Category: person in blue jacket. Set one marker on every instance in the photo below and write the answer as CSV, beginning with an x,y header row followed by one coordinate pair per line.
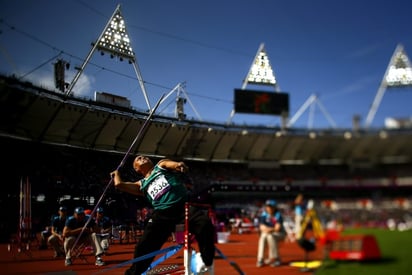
x,y
271,231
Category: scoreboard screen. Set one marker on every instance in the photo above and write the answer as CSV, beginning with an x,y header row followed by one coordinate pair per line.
x,y
259,102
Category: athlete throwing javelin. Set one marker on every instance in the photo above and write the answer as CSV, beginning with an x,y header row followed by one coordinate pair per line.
x,y
163,186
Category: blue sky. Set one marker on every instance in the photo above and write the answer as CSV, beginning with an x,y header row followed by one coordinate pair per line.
x,y
337,50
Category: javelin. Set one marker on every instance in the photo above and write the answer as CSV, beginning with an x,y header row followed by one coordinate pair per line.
x,y
139,135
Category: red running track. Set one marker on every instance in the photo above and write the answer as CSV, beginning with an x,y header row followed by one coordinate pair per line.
x,y
241,249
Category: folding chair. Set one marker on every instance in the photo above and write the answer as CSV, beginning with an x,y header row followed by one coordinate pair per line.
x,y
79,251
120,233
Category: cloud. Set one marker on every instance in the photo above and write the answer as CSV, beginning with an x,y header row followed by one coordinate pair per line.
x,y
83,87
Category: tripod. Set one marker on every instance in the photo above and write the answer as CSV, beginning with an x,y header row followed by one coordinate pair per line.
x,y
310,220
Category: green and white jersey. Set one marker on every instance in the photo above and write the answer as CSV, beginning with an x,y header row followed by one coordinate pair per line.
x,y
163,188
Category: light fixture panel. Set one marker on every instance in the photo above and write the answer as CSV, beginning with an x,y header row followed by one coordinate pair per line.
x,y
115,39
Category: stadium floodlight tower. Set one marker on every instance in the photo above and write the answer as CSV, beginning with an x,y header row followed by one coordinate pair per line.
x,y
261,73
115,41
398,75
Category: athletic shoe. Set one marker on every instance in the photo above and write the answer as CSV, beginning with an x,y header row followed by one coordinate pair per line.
x,y
209,270
99,261
259,263
268,261
68,262
276,263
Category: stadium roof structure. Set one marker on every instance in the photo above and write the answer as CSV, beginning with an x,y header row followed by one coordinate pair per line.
x,y
32,113
35,114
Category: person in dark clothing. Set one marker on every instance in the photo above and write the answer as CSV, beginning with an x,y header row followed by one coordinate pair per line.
x,y
103,228
74,229
56,238
163,186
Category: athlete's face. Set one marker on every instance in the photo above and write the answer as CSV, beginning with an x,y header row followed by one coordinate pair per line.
x,y
141,163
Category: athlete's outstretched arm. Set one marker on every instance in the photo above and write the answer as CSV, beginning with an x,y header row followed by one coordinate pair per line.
x,y
126,186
